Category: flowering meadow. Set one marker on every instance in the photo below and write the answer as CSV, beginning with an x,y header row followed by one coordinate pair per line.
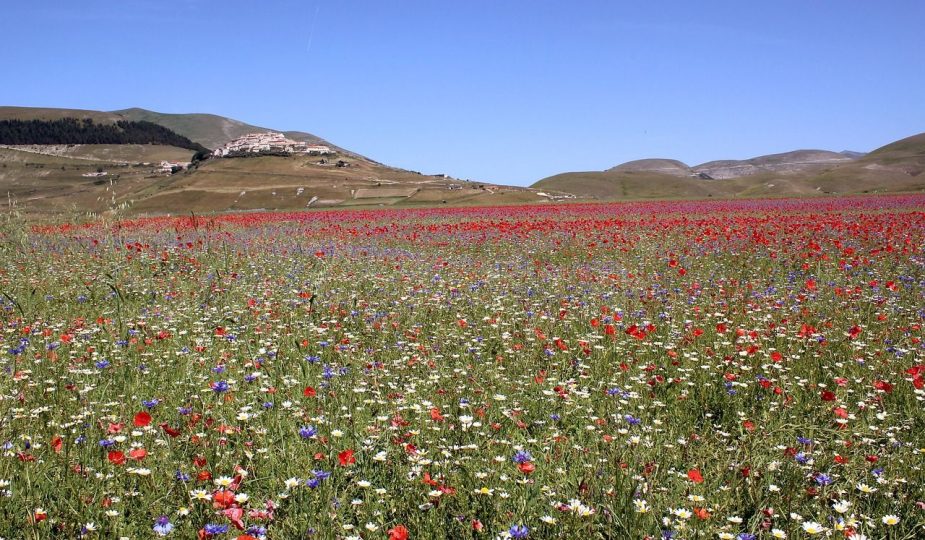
x,y
723,369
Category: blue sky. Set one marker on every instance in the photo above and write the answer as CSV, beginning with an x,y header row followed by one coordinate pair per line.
x,y
492,90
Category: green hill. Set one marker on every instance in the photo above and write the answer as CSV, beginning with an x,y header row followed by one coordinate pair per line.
x,y
895,167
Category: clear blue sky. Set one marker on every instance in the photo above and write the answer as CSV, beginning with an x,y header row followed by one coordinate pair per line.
x,y
493,90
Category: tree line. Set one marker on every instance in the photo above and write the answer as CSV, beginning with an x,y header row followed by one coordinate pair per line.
x,y
86,131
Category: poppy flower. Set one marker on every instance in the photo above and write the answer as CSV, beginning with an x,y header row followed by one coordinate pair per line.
x,y
346,458
398,532
116,457
694,476
884,386
142,419
222,499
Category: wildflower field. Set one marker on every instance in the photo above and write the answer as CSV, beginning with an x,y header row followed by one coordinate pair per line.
x,y
748,369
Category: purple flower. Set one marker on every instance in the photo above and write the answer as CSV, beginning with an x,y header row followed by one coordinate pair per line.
x,y
522,456
518,531
220,386
212,529
307,432
162,526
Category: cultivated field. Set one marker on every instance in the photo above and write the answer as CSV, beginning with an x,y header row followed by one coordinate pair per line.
x,y
737,369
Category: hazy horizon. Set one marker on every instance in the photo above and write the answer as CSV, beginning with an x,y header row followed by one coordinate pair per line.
x,y
504,93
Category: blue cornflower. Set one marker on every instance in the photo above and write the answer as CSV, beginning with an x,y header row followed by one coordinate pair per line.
x,y
220,386
215,528
311,359
184,410
162,526
307,432
823,479
801,458
150,403
218,369
804,440
321,475
518,531
257,531
102,364
746,536
522,456
106,443
182,476
632,420
267,404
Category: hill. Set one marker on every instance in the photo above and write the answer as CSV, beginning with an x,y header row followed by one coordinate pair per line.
x,y
99,177
213,131
895,167
671,167
798,161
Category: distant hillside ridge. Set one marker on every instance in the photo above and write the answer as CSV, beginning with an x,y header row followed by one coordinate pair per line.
x,y
898,167
86,131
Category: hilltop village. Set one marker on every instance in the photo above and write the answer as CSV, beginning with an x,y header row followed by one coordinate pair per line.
x,y
269,143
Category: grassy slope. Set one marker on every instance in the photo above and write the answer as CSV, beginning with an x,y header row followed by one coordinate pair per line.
x,y
896,167
292,182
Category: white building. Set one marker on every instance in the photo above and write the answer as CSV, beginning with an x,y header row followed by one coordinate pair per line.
x,y
269,142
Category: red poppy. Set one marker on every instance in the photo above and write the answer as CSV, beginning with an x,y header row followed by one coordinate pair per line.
x,y
827,395
346,458
398,532
116,457
883,385
694,476
222,499
138,454
142,419
169,430
309,392
526,467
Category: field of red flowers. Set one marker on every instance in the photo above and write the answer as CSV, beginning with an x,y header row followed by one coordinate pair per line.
x,y
728,369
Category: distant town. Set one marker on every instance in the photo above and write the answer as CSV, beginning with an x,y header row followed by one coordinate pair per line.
x,y
269,142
